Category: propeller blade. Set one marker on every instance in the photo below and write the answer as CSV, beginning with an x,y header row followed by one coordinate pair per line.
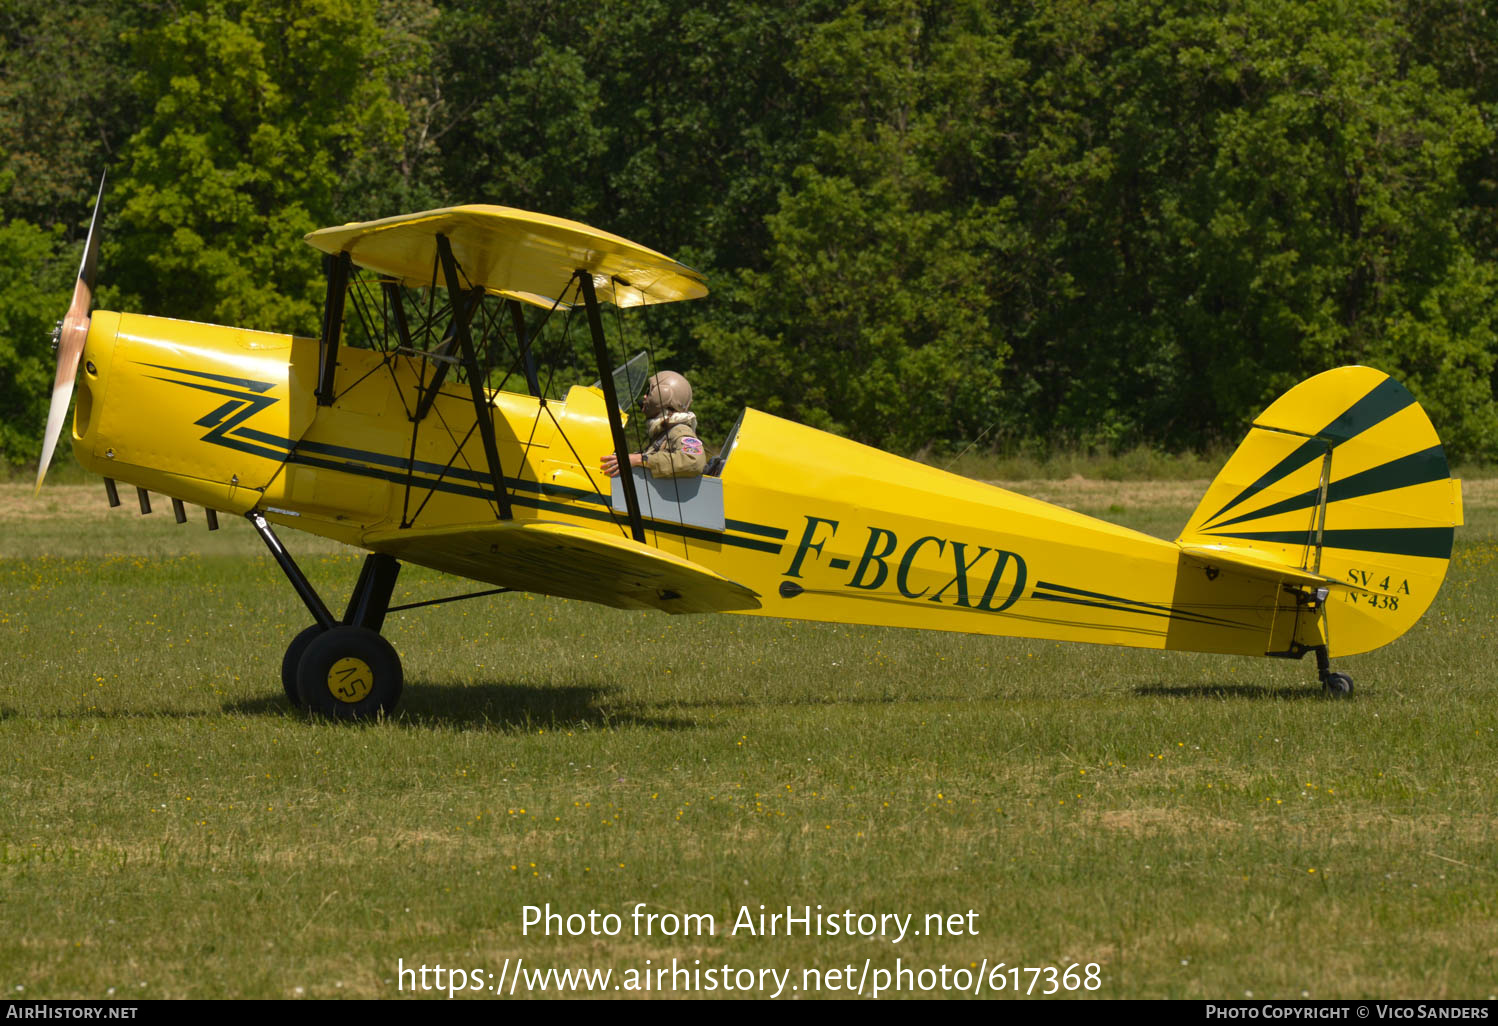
x,y
91,247
71,334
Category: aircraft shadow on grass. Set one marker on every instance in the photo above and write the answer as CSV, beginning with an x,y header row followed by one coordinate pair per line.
x,y
498,706
1257,691
501,707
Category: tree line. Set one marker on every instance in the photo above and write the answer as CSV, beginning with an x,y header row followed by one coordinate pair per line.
x,y
1095,223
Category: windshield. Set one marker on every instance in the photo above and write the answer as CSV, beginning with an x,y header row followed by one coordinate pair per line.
x,y
629,379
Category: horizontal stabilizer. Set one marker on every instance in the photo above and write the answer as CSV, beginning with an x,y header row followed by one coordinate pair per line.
x,y
1255,564
569,562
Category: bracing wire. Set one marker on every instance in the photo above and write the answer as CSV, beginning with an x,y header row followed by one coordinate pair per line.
x,y
974,442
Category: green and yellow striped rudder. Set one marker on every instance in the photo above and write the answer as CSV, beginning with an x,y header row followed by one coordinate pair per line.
x,y
1344,477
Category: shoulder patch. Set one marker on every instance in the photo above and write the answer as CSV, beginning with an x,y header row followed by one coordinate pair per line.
x,y
691,445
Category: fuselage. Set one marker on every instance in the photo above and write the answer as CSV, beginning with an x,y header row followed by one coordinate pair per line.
x,y
821,527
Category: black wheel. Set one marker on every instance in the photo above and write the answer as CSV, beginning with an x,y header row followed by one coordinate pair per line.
x,y
292,659
1338,684
349,673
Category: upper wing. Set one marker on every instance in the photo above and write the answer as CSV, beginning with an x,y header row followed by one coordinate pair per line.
x,y
527,256
572,562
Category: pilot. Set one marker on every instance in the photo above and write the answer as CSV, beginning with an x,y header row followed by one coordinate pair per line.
x,y
674,449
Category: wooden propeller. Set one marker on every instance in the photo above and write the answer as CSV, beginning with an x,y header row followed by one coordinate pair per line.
x,y
68,338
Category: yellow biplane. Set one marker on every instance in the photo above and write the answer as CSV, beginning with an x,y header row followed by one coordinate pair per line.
x,y
1329,529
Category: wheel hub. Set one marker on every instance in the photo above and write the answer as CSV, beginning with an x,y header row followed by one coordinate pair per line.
x,y
350,680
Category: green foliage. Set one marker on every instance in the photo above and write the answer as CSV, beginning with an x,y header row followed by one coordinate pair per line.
x,y
1101,225
253,113
39,272
65,105
880,307
1234,202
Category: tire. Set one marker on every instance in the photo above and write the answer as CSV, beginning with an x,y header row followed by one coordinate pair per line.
x,y
1338,685
292,659
349,673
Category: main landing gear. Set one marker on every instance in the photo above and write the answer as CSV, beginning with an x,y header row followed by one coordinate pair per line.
x,y
342,669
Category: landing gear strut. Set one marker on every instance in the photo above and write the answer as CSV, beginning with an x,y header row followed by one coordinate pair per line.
x,y
1336,684
342,669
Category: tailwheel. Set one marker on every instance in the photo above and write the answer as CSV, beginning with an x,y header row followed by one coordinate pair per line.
x,y
1337,684
292,659
348,673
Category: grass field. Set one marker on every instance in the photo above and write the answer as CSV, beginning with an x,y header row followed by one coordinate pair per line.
x,y
1197,826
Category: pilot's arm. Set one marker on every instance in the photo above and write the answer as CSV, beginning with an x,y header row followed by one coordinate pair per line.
x,y
609,464
680,454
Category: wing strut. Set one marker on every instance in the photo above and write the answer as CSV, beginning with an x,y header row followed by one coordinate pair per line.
x,y
481,408
392,290
611,400
338,269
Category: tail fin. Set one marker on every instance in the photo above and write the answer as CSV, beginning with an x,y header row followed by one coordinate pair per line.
x,y
1342,477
